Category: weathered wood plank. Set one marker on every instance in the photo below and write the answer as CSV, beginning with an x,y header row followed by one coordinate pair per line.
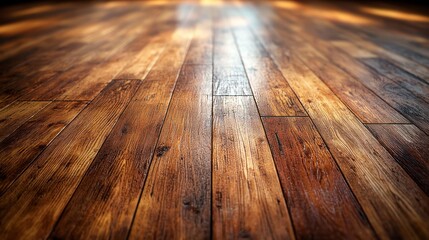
x,y
412,107
16,114
273,95
38,197
229,76
417,86
409,146
362,101
319,200
19,149
175,202
386,193
106,200
230,81
247,196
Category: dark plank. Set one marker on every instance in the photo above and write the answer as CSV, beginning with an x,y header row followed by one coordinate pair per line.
x,y
247,196
409,146
319,200
175,202
404,52
412,107
19,150
417,86
16,114
43,190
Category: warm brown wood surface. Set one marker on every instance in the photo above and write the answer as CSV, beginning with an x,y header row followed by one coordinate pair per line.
x,y
214,120
247,197
319,200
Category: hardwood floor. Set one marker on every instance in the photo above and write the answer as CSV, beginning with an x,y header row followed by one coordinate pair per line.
x,y
223,120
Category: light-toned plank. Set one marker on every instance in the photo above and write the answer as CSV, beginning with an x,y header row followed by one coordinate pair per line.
x,y
273,95
247,196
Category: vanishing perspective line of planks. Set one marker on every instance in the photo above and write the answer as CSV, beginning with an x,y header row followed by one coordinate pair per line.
x,y
212,119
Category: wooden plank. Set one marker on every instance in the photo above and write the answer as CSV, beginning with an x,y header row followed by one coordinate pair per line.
x,y
319,200
351,48
43,190
247,196
140,66
417,86
16,114
409,146
404,52
229,76
86,78
175,202
201,48
368,107
230,81
273,95
403,62
104,203
388,196
225,52
410,106
19,150
99,75
386,193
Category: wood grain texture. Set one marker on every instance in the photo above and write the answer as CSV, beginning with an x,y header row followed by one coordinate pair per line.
x,y
175,202
273,95
104,204
409,146
230,81
362,101
16,114
100,137
247,196
412,107
319,200
406,80
18,150
358,156
43,190
229,76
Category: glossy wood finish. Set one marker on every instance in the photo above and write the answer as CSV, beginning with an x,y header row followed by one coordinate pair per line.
x,y
211,119
327,207
248,200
